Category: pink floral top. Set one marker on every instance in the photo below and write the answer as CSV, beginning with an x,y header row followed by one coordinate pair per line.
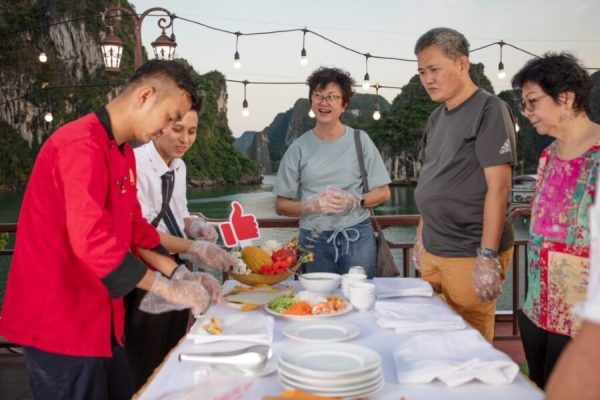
x,y
559,239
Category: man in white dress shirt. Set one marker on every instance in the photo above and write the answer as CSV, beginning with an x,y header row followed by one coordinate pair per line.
x,y
162,195
576,373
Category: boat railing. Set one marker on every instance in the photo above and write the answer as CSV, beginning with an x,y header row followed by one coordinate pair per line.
x,y
404,263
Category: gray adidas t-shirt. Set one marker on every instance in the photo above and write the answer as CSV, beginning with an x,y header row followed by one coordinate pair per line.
x,y
310,165
457,146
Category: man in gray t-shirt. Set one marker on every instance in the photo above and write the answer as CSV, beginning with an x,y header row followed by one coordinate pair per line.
x,y
464,242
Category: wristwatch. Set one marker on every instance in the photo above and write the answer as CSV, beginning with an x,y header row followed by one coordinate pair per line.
x,y
362,202
489,253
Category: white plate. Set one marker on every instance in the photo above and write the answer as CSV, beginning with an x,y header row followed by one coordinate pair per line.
x,y
309,317
329,360
321,331
347,382
365,391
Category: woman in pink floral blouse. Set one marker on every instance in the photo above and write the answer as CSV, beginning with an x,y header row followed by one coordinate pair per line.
x,y
555,98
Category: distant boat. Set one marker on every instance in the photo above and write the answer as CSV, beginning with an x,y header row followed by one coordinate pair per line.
x,y
523,188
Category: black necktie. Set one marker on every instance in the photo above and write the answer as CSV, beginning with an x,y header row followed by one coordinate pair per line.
x,y
168,183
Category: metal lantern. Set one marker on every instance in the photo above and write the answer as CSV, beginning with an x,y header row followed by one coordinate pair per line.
x,y
112,50
164,47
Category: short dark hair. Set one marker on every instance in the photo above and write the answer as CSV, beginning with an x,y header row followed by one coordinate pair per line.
x,y
323,76
451,42
169,70
557,73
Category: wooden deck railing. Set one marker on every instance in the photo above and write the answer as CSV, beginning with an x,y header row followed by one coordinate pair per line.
x,y
387,221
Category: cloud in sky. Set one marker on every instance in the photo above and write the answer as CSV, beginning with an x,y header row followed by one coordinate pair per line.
x,y
382,27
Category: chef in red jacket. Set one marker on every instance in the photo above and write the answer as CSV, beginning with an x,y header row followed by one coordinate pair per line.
x,y
79,225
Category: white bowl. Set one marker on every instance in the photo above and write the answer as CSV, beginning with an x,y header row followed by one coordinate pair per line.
x,y
320,282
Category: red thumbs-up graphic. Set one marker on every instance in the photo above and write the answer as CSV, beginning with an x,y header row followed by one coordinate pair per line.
x,y
241,227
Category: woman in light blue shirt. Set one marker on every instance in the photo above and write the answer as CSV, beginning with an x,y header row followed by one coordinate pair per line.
x,y
319,180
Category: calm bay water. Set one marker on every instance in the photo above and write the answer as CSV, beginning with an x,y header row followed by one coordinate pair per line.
x,y
259,200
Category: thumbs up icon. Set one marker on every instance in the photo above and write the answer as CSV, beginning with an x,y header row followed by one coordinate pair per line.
x,y
241,227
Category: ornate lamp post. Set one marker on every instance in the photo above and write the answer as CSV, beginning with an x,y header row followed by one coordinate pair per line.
x,y
112,46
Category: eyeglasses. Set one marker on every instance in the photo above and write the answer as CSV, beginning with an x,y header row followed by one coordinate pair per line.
x,y
530,104
330,97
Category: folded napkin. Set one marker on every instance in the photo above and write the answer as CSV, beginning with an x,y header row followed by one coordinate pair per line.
x,y
416,316
454,358
236,327
400,287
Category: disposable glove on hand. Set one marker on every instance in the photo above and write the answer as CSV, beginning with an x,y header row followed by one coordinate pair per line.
x,y
207,280
315,205
171,295
486,278
200,229
417,252
341,202
210,254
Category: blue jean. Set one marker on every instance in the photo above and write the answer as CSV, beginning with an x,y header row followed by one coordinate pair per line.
x,y
337,251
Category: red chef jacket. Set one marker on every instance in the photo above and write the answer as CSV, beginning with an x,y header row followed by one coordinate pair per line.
x,y
72,263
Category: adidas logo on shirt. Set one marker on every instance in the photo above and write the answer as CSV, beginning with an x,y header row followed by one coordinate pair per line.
x,y
505,147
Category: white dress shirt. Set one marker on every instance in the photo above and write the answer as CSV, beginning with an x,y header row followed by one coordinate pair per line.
x,y
150,167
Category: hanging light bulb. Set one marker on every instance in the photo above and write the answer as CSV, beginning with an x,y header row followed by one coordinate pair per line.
x,y
501,72
366,83
237,64
48,117
303,59
517,127
376,113
311,113
245,110
43,57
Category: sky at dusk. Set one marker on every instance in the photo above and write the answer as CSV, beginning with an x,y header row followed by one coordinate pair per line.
x,y
380,27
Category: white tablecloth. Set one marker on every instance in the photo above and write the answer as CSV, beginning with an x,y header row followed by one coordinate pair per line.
x,y
174,375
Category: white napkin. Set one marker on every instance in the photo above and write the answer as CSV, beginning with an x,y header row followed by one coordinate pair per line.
x,y
416,316
400,287
454,358
236,327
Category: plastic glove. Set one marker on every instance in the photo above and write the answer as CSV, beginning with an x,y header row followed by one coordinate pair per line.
x,y
417,252
339,201
486,278
171,295
209,282
200,229
315,205
210,254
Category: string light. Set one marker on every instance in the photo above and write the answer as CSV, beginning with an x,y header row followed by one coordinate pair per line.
x,y
517,127
376,113
501,72
366,84
237,64
245,110
48,117
303,59
43,57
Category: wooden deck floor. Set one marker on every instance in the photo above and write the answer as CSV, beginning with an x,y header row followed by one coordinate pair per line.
x,y
15,386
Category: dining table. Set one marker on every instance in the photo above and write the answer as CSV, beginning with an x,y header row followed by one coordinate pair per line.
x,y
175,379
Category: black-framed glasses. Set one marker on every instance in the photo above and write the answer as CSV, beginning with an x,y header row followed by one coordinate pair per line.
x,y
529,104
329,97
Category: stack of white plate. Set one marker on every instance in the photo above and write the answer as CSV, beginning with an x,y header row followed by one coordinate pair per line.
x,y
332,369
